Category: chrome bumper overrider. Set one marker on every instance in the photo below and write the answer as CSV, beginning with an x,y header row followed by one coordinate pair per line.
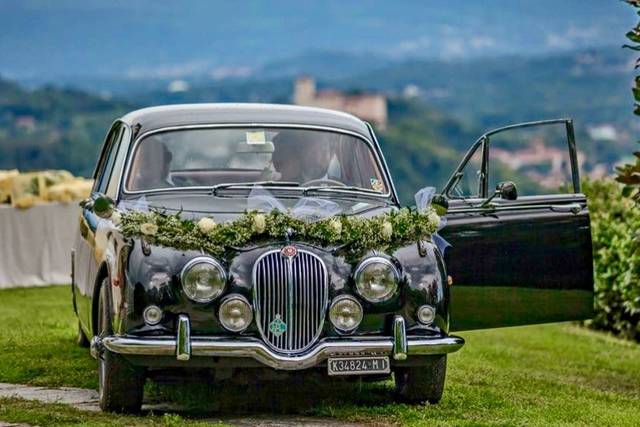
x,y
398,347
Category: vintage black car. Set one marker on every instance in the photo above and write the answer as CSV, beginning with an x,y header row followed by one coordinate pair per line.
x,y
288,305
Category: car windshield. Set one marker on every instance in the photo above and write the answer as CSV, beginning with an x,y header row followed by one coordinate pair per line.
x,y
210,157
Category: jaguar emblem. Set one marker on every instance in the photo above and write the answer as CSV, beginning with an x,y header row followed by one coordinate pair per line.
x,y
277,326
289,251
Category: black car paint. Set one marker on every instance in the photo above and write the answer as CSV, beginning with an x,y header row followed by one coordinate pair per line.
x,y
495,257
137,277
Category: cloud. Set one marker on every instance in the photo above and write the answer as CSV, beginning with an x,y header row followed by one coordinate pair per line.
x,y
572,37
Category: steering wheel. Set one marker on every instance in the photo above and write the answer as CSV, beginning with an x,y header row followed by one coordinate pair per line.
x,y
318,181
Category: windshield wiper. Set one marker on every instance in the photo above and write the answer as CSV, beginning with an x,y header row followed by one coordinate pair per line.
x,y
249,185
340,189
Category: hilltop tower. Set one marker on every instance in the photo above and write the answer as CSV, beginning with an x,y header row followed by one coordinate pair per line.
x,y
305,91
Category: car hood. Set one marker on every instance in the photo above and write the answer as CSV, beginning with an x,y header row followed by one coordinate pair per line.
x,y
228,208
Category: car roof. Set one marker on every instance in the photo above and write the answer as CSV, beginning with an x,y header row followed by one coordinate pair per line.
x,y
153,118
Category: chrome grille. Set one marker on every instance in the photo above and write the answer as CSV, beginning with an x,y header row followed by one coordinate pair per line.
x,y
295,290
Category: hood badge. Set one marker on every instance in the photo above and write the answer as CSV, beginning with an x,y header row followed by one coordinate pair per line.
x,y
277,326
289,251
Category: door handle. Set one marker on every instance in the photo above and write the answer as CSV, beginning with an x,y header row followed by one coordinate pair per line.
x,y
574,208
86,203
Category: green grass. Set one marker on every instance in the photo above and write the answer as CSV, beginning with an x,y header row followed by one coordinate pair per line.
x,y
557,374
35,413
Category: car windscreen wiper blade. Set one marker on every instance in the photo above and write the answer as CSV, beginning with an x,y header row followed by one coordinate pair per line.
x,y
249,185
340,189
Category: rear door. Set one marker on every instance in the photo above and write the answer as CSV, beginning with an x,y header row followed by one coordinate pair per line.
x,y
522,261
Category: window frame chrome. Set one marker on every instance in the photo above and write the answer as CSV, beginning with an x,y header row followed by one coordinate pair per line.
x,y
373,146
484,142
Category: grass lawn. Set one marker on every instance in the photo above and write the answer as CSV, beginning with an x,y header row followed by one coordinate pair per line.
x,y
539,375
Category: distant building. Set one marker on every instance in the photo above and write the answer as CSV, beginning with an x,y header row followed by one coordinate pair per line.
x,y
177,86
548,166
367,106
605,132
26,123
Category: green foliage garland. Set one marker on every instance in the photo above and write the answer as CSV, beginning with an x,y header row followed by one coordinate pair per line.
x,y
356,234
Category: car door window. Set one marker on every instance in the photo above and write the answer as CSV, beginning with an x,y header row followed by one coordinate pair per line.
x,y
118,164
470,183
106,162
536,159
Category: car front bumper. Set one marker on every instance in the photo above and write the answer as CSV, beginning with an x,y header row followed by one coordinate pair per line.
x,y
184,347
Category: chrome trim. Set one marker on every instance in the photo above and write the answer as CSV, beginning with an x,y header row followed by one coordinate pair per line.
x,y
144,315
338,299
313,288
183,338
549,201
384,163
255,349
237,297
132,148
370,260
484,140
206,260
400,345
431,310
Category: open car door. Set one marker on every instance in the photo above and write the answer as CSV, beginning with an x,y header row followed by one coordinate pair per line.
x,y
523,258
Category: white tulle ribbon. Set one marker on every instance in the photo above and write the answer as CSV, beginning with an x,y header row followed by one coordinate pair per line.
x,y
308,209
423,198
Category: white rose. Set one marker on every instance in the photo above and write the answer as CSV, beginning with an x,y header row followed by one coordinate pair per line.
x,y
336,225
206,225
387,230
148,229
435,219
116,218
259,223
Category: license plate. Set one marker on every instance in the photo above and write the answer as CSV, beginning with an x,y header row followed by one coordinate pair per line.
x,y
358,365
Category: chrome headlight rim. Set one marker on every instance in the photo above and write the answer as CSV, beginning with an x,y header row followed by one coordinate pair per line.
x,y
352,299
203,260
381,260
227,300
426,314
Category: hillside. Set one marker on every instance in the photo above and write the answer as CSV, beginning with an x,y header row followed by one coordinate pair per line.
x,y
55,128
52,128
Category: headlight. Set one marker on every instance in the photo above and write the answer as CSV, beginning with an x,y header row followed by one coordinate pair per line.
x,y
376,279
345,313
235,313
203,279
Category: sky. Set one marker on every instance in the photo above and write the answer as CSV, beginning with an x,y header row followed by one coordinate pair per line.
x,y
50,40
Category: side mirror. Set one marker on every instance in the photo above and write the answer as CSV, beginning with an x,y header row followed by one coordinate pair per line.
x,y
103,206
507,190
440,204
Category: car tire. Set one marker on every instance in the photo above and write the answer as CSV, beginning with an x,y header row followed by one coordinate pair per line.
x,y
121,385
419,384
81,338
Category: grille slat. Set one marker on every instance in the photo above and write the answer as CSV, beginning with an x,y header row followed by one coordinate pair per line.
x,y
295,291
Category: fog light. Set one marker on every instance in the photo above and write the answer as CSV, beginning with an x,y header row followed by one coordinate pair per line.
x,y
152,315
426,314
345,313
235,313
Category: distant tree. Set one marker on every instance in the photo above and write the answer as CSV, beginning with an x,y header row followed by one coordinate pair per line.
x,y
630,174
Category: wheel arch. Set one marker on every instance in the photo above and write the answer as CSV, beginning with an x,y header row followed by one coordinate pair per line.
x,y
103,272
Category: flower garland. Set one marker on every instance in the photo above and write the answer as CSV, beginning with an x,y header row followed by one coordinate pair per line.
x,y
356,234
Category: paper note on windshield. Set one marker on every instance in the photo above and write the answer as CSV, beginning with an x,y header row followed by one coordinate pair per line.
x,y
256,137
